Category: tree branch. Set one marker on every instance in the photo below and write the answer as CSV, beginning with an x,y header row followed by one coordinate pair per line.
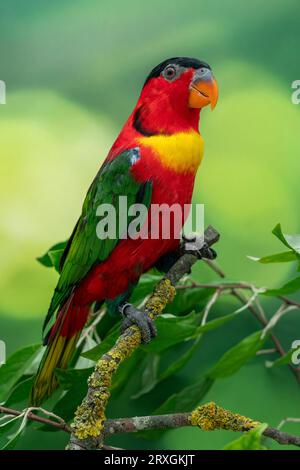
x,y
61,424
207,417
89,418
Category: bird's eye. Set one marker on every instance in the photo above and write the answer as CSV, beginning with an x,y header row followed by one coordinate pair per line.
x,y
170,72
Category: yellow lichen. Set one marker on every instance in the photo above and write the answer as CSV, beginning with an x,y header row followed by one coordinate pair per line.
x,y
211,416
89,420
90,415
163,294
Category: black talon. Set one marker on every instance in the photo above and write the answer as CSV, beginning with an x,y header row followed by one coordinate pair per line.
x,y
207,252
195,245
134,316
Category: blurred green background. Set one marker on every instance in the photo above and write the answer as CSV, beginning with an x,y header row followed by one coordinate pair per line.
x,y
73,72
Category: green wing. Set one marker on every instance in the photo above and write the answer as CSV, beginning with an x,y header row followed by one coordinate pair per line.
x,y
84,249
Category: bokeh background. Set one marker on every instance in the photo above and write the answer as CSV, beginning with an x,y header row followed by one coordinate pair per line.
x,y
73,72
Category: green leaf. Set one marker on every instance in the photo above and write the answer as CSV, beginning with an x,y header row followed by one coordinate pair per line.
x,y
181,362
211,325
11,444
145,286
69,378
52,257
6,426
277,231
149,376
15,367
172,330
237,356
291,241
183,401
250,440
68,404
288,288
95,353
13,440
20,392
187,300
74,381
127,370
187,399
283,360
284,257
175,367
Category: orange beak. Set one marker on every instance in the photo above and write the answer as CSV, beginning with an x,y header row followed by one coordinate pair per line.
x,y
203,89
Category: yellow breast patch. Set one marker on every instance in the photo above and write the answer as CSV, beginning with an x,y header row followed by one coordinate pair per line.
x,y
181,152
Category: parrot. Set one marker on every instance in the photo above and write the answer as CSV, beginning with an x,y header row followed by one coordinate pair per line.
x,y
153,161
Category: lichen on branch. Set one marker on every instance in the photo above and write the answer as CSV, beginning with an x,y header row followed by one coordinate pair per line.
x,y
211,416
90,415
88,424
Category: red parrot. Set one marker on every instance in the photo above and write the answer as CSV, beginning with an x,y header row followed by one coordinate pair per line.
x,y
154,160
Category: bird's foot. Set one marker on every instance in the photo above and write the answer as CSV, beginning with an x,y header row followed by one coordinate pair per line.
x,y
133,316
194,244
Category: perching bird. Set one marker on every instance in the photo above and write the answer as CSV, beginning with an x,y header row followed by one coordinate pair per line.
x,y
153,161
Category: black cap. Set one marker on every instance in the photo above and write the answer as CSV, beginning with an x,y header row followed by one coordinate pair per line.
x,y
187,62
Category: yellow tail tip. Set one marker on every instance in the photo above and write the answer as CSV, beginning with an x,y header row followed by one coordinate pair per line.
x,y
57,355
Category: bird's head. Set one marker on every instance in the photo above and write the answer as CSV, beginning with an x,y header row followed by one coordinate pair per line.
x,y
174,93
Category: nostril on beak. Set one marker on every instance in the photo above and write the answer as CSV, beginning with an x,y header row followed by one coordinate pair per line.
x,y
203,74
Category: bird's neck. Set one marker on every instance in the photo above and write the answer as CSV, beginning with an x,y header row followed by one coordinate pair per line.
x,y
157,122
160,116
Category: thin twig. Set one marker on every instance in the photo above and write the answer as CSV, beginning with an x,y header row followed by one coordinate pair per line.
x,y
215,267
232,285
61,424
289,301
266,351
91,329
260,309
222,286
288,420
210,304
283,309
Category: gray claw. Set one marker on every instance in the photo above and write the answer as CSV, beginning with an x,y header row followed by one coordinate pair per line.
x,y
194,244
133,316
207,252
